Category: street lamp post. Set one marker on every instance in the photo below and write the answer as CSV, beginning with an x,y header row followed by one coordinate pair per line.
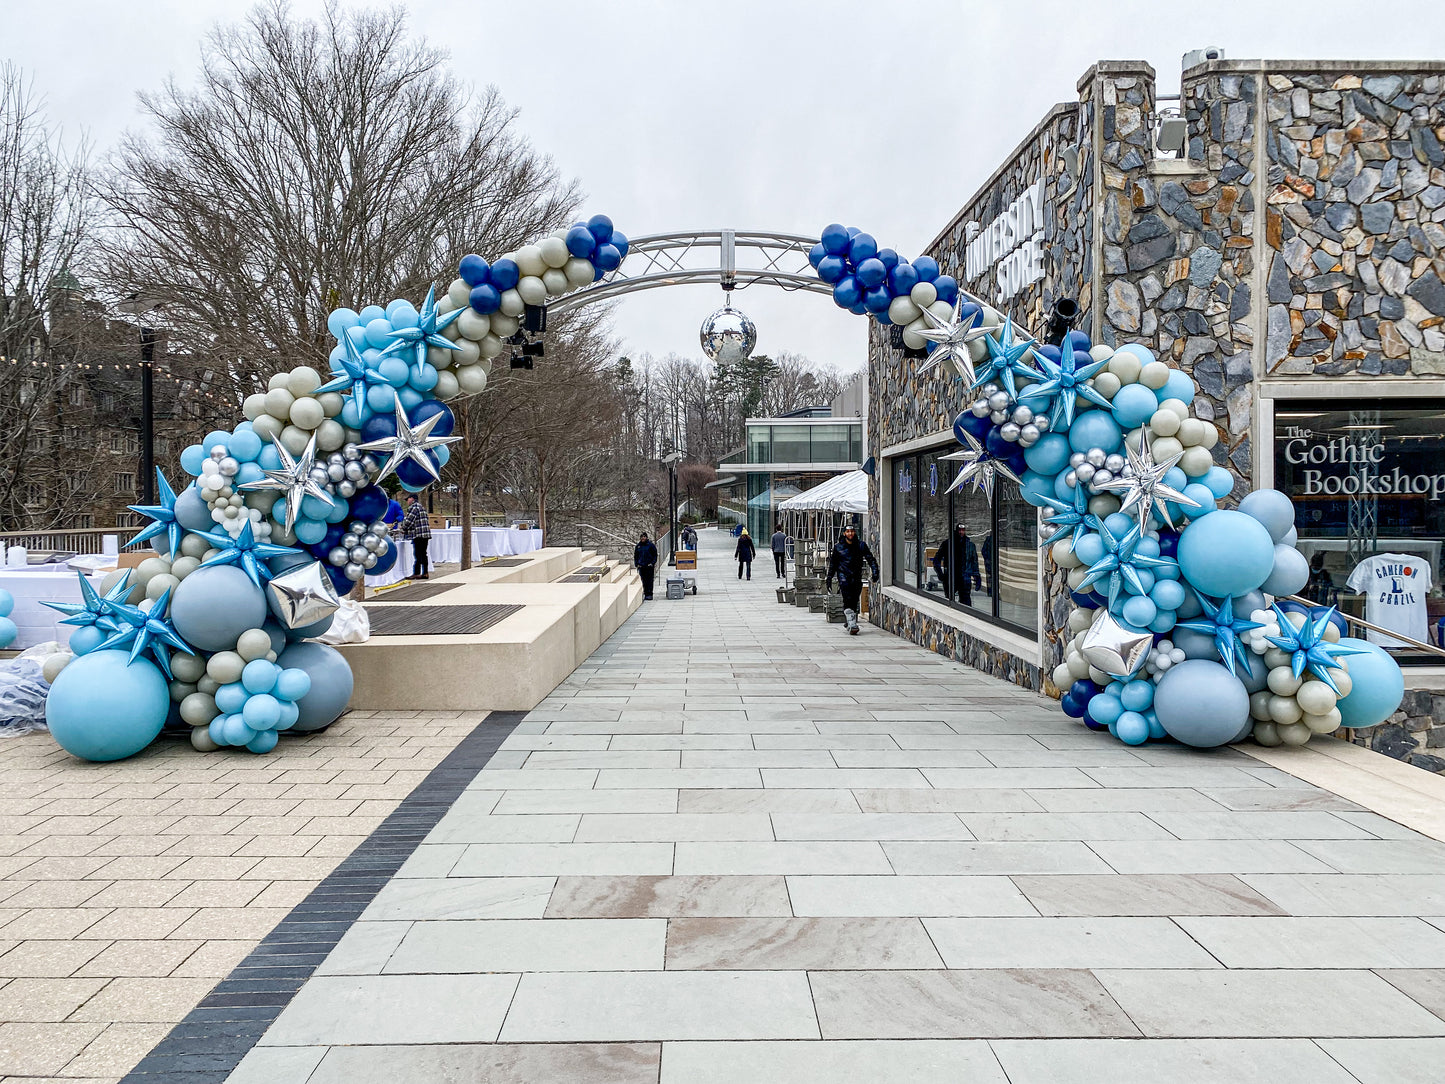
x,y
140,305
670,461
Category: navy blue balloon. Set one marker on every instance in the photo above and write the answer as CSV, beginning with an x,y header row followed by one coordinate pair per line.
x,y
972,423
505,274
369,504
847,293
607,257
1086,599
1168,543
428,407
859,309
903,278
1084,689
816,254
927,268
832,268
890,258
619,242
601,228
835,239
411,473
871,272
861,248
1071,706
1093,725
581,243
384,562
486,299
997,446
473,270
334,533
1016,461
882,318
378,426
878,298
338,580
947,287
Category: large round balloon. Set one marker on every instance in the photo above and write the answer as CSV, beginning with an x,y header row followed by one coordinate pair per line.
x,y
1376,685
1290,573
213,606
102,707
1226,553
331,683
191,512
1272,508
1200,703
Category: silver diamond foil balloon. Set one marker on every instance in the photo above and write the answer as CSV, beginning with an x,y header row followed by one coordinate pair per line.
x,y
1112,648
302,596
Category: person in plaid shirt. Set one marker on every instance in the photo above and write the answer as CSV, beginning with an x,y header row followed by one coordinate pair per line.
x,y
417,528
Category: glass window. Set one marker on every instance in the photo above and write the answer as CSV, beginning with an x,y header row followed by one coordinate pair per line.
x,y
759,444
855,443
932,482
905,522
1013,562
790,444
970,548
829,444
1368,481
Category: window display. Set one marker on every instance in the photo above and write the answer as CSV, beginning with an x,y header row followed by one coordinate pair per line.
x,y
1394,586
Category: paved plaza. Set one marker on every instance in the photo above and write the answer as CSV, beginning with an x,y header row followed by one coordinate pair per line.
x,y
736,846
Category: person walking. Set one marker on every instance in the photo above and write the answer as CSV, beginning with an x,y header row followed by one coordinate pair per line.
x,y
846,564
689,538
644,559
416,528
780,552
744,553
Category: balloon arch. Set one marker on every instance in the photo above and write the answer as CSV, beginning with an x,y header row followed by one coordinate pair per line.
x,y
1176,630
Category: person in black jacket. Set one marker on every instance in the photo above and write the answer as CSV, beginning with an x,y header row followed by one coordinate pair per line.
x,y
744,553
846,564
956,561
644,557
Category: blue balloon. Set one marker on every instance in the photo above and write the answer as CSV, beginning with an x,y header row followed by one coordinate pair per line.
x,y
331,683
264,741
877,299
262,711
1218,481
1049,455
191,511
846,292
1085,689
1095,429
340,320
485,298
1139,610
378,332
889,258
1200,703
969,422
620,243
581,243
379,428
927,268
473,270
1105,708
86,639
1178,386
600,227
1131,728
861,248
835,239
832,269
903,278
213,606
384,564
607,257
1167,594
259,676
859,309
996,446
1225,554
411,473
505,274
1376,685
871,273
1134,404
216,437
292,684
1085,600
370,503
816,254
947,287
102,707
1072,706
380,398
1202,498
231,698
191,459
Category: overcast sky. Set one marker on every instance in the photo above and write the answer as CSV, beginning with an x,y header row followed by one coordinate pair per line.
x,y
768,114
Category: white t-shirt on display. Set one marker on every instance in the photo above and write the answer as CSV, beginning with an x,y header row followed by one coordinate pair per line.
x,y
1394,586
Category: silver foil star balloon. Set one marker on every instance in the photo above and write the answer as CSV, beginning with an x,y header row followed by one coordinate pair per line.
x,y
953,336
409,443
979,467
293,479
1143,487
1112,648
302,596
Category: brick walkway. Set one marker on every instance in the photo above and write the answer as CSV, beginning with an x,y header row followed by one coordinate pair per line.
x,y
738,846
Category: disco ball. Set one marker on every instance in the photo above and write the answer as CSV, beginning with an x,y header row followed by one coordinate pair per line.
x,y
728,336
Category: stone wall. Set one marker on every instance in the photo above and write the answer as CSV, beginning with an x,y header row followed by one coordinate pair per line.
x,y
953,643
1414,734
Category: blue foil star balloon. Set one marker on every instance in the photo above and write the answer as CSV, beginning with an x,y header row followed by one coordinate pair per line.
x,y
427,333
94,609
1063,383
147,630
162,516
244,551
1221,622
1119,563
1069,518
1308,648
1006,360
352,375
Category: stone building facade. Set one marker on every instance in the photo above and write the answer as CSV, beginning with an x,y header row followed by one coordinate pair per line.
x,y
1290,259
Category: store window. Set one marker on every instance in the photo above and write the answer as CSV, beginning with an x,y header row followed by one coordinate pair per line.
x,y
1368,483
957,548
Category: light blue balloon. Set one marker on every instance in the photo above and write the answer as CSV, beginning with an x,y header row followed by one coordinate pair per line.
x,y
1036,487
371,357
402,314
263,742
216,437
1049,455
1203,500
340,320
8,632
86,639
1196,645
213,606
378,333
1272,508
1095,429
259,676
7,603
262,712
409,398
1156,732
292,684
357,335
394,371
1131,728
1119,524
310,531
1219,481
336,513
217,729
1290,573
1200,703
1225,554
231,698
1167,594
1164,621
1105,708
1134,404
191,459
1139,610
351,415
313,507
1179,386
236,730
1255,674
1062,490
331,683
1138,695
245,445
380,398
1175,478
1089,548
269,459
423,377
191,511
103,707
249,472
1376,685
289,714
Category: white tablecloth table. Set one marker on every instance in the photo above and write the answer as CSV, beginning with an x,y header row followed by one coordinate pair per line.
x,y
446,549
47,583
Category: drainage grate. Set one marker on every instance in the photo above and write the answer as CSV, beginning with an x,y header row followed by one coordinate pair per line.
x,y
417,592
436,620
585,575
506,562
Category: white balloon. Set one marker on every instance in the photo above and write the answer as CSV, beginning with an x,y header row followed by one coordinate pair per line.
x,y
1196,462
555,281
902,310
307,413
331,402
1108,384
490,347
923,294
459,292
530,262
579,272
911,337
1165,423
279,400
1191,432
451,331
330,435
554,252
438,358
473,325
254,406
471,379
1154,375
504,326
445,305
512,303
1126,367
485,365
278,381
303,380
1101,352
940,309
466,353
266,427
295,439
447,386
532,290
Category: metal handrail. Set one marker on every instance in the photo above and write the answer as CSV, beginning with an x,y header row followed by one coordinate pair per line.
x,y
609,534
1416,644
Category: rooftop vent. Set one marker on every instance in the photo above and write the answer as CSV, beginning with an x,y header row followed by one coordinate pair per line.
x,y
1195,57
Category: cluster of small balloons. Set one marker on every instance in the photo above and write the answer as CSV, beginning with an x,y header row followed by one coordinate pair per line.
x,y
877,281
383,376
292,409
345,472
1016,421
361,548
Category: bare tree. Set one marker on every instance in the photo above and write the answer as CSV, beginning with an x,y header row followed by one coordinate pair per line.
x,y
320,163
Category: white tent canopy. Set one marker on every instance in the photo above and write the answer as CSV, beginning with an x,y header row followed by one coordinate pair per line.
x,y
841,493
